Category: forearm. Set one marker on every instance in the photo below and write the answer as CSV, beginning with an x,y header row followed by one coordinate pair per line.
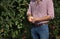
x,y
29,15
44,18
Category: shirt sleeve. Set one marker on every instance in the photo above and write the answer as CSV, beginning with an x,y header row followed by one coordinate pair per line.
x,y
29,10
50,9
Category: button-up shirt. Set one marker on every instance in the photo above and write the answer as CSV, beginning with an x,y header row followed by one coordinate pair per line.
x,y
44,8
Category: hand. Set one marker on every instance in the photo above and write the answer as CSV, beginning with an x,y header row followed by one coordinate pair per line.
x,y
30,19
33,19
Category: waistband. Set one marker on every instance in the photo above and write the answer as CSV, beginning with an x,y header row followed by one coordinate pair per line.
x,y
37,25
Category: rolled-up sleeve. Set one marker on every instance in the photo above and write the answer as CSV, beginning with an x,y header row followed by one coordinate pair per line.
x,y
29,10
50,8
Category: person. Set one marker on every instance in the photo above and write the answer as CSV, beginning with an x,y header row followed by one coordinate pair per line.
x,y
39,13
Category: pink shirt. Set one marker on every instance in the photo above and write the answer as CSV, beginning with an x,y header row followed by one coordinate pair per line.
x,y
44,8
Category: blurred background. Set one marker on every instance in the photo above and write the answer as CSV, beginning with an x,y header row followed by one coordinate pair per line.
x,y
14,24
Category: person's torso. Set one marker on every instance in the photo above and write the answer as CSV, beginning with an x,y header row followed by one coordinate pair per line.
x,y
39,10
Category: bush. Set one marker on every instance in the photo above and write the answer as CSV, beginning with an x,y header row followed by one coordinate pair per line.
x,y
12,18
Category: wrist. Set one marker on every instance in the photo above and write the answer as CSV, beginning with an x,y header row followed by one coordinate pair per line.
x,y
38,19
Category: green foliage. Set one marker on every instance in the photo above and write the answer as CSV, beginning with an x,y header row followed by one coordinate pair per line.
x,y
13,21
12,17
56,21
